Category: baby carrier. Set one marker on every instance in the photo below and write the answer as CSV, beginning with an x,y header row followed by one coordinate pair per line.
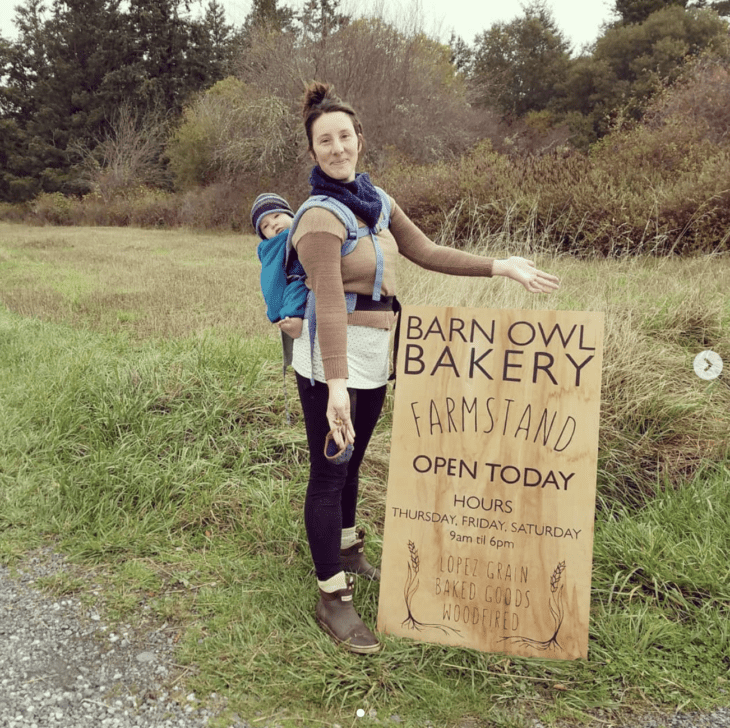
x,y
354,301
283,287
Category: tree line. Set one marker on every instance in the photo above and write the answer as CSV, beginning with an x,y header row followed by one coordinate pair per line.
x,y
96,92
525,66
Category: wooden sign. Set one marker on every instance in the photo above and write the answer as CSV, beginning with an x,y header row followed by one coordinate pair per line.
x,y
488,539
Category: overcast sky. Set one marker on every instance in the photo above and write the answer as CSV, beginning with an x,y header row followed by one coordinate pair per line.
x,y
579,20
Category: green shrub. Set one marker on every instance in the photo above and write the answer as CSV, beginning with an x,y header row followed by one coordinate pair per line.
x,y
52,208
231,131
658,187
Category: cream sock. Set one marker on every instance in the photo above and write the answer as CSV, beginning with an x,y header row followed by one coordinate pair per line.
x,y
349,537
334,583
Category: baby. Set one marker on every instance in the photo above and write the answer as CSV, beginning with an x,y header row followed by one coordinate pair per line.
x,y
284,290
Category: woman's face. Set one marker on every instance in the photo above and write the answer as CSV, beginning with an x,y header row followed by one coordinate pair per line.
x,y
335,145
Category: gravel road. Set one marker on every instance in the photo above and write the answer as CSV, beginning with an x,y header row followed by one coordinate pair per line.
x,y
62,665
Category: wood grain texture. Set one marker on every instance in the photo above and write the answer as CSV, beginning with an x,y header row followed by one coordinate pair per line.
x,y
491,494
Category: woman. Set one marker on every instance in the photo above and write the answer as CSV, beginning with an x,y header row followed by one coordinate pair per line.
x,y
342,381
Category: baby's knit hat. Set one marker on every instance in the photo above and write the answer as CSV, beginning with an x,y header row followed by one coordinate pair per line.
x,y
266,203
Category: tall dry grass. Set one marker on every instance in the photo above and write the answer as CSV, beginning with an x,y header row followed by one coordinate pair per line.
x,y
659,422
148,283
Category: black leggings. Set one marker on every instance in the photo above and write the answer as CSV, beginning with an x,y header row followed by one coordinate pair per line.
x,y
331,501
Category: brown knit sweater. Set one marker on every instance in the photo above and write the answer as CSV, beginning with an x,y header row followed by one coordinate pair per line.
x,y
318,239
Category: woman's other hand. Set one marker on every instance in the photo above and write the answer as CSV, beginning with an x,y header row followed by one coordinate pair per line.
x,y
523,271
291,326
338,412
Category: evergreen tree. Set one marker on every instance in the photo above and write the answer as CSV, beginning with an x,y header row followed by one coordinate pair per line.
x,y
159,42
637,11
270,15
23,64
219,39
461,54
321,18
517,65
83,45
73,67
25,61
265,17
55,73
209,49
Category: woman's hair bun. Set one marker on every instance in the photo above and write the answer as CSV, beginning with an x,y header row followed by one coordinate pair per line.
x,y
320,98
315,93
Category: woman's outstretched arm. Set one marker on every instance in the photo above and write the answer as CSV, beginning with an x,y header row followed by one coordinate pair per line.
x,y
415,245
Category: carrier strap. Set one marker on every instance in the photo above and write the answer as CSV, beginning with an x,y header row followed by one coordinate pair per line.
x,y
354,233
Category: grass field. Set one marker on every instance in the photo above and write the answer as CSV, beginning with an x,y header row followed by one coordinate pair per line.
x,y
142,431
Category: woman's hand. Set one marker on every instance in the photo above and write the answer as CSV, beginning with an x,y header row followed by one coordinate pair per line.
x,y
523,271
338,412
291,326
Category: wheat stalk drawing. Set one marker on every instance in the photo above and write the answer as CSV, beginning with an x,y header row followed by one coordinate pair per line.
x,y
557,612
411,586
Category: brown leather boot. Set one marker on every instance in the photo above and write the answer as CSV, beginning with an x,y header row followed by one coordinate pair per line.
x,y
337,616
354,561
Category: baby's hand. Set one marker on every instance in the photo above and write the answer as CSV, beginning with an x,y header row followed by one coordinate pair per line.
x,y
291,326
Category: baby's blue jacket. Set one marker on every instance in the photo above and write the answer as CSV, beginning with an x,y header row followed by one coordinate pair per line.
x,y
284,291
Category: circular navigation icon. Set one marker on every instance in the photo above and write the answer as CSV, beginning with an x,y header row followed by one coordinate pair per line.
x,y
708,365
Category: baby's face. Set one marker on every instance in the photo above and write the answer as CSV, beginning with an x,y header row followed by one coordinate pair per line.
x,y
273,223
